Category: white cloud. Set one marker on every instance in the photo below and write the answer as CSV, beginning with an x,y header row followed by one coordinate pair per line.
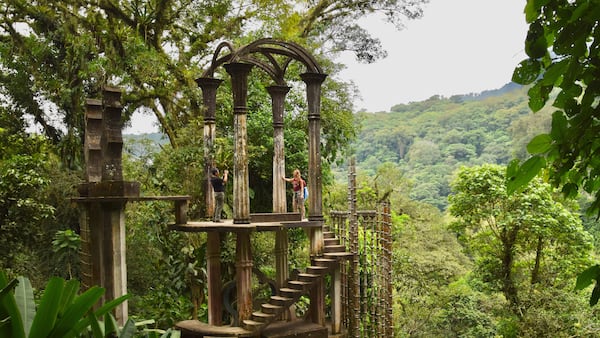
x,y
459,47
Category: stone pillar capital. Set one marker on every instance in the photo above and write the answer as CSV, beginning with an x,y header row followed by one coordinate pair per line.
x,y
313,78
209,87
237,68
239,85
278,94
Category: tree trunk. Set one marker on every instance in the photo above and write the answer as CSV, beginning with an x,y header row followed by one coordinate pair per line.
x,y
508,285
535,274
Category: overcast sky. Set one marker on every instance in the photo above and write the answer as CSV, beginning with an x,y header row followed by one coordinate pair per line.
x,y
458,47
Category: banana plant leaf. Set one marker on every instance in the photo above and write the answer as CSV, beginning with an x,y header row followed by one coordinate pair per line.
x,y
47,310
25,303
10,318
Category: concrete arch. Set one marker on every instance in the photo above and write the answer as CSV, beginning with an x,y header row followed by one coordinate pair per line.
x,y
268,48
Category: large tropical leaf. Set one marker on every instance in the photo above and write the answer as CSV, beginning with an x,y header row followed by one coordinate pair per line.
x,y
85,322
128,330
95,325
11,326
110,325
47,311
25,303
69,293
76,311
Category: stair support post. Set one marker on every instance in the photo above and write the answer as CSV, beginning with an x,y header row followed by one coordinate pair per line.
x,y
213,271
336,300
244,275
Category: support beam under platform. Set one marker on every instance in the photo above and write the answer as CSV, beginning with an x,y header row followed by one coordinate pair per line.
x,y
228,226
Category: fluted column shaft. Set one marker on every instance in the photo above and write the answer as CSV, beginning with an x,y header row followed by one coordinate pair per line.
x,y
239,86
209,87
278,94
213,255
241,197
313,97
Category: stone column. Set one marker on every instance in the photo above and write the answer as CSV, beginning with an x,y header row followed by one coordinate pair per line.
x,y
278,94
213,251
239,86
241,197
313,97
103,222
114,213
93,173
209,87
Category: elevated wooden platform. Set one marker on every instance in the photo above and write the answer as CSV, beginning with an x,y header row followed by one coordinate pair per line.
x,y
293,329
198,329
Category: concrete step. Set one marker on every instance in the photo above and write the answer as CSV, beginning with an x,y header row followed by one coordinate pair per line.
x,y
328,234
299,285
317,270
270,308
281,301
307,277
324,262
290,293
262,317
331,241
338,255
334,248
252,325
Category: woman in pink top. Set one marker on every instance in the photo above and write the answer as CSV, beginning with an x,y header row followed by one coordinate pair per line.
x,y
298,185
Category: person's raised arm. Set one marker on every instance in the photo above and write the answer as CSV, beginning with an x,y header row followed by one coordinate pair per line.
x,y
225,176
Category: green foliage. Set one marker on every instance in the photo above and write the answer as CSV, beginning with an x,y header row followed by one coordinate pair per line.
x,y
468,313
66,246
439,135
61,312
517,240
34,191
562,62
586,278
162,265
426,259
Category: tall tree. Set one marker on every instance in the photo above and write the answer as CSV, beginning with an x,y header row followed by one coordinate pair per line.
x,y
563,48
56,53
507,233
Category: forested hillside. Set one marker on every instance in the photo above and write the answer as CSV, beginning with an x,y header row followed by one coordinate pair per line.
x,y
430,139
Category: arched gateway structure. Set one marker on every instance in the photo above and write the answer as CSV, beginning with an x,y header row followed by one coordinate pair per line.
x,y
273,57
238,63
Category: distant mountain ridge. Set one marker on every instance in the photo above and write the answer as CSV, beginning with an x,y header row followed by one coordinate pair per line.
x,y
428,140
493,92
